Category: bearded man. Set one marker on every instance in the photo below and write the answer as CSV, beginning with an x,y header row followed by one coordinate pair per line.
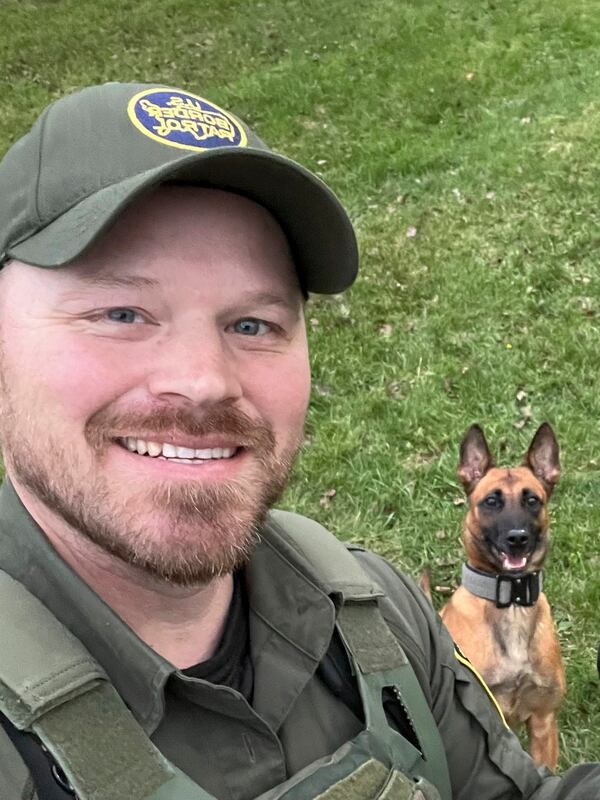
x,y
165,636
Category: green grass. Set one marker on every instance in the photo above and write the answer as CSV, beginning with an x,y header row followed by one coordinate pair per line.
x,y
478,124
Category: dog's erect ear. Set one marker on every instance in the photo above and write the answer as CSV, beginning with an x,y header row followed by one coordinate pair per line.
x,y
543,457
475,458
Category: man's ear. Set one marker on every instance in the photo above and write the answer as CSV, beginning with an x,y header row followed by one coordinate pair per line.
x,y
543,457
475,458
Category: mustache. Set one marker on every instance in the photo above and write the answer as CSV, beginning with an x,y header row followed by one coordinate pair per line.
x,y
106,425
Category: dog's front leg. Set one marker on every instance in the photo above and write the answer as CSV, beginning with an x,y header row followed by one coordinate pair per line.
x,y
543,739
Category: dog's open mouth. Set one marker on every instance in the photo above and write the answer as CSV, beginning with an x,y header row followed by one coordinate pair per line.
x,y
512,563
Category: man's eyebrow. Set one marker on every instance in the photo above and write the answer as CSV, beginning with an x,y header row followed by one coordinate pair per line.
x,y
110,281
260,298
269,298
289,300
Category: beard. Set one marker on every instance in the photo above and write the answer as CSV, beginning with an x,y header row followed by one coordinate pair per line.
x,y
183,532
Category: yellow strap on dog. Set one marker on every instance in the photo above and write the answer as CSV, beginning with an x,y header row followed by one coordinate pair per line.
x,y
465,662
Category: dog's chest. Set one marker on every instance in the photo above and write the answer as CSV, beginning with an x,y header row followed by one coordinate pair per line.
x,y
512,631
513,675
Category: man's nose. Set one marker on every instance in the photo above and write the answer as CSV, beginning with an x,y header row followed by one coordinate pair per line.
x,y
200,369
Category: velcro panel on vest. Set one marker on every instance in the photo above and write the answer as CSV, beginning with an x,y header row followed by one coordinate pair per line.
x,y
103,751
42,663
364,783
334,567
367,636
180,787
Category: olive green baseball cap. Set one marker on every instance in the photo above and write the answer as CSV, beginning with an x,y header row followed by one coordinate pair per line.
x,y
90,154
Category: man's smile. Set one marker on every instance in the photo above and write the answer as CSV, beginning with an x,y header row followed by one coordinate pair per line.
x,y
166,451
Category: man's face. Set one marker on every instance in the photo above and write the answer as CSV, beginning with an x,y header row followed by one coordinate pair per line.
x,y
154,392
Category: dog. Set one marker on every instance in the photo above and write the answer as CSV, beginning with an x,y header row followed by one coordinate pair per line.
x,y
499,617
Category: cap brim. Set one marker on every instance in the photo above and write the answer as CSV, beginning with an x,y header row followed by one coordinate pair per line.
x,y
318,229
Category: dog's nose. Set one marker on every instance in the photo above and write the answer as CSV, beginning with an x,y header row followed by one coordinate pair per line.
x,y
517,537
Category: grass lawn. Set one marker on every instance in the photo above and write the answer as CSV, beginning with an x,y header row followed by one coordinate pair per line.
x,y
465,140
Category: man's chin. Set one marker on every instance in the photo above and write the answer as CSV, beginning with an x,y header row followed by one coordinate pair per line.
x,y
190,565
185,536
183,552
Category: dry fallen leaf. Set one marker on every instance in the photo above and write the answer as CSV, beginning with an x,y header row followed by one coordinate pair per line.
x,y
587,306
459,501
449,387
526,415
386,330
521,396
469,76
396,390
446,562
327,497
411,232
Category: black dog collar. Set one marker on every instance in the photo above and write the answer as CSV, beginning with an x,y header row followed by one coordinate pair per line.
x,y
521,589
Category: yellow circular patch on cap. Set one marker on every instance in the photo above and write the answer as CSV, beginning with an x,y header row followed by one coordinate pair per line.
x,y
184,120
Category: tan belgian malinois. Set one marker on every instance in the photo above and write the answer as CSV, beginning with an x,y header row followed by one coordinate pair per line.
x,y
499,617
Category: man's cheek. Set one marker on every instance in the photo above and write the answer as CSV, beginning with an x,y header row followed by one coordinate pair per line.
x,y
73,384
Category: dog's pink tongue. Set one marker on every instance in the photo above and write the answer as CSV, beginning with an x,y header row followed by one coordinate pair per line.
x,y
513,562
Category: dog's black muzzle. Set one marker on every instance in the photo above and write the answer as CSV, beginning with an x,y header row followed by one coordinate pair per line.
x,y
515,542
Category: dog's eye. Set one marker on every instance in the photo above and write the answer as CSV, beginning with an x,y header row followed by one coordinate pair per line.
x,y
533,502
491,501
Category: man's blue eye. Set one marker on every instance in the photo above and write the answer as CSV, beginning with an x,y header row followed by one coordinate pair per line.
x,y
251,327
127,315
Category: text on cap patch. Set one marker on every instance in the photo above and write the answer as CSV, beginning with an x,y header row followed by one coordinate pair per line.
x,y
184,120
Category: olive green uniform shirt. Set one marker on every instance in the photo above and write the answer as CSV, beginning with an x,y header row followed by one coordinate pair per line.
x,y
235,750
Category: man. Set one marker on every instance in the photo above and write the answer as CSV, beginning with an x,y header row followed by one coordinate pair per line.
x,y
154,382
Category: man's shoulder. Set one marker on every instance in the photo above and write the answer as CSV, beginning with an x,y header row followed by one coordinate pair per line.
x,y
400,589
404,606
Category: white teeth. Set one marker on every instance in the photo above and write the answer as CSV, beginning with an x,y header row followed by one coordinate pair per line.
x,y
184,452
203,453
166,450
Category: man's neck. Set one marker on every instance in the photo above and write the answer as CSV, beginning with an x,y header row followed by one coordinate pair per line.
x,y
183,624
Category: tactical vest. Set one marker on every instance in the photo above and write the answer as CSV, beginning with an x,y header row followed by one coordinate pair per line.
x,y
51,687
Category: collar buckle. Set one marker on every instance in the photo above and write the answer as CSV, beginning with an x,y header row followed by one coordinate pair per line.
x,y
521,590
